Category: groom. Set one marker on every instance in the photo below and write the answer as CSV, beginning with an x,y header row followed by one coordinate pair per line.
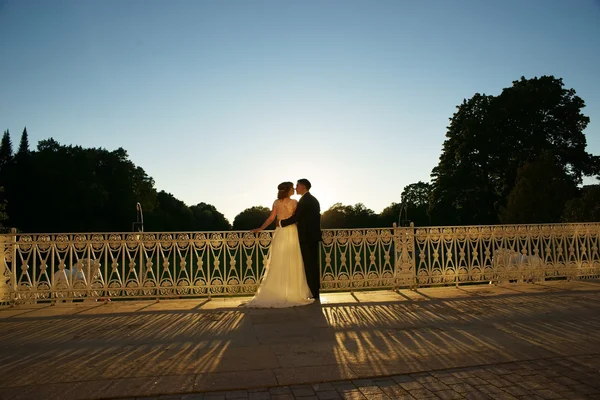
x,y
308,217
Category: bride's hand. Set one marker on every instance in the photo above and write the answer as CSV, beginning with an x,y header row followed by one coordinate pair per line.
x,y
255,230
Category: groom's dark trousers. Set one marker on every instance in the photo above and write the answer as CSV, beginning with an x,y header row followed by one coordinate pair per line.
x,y
308,218
310,256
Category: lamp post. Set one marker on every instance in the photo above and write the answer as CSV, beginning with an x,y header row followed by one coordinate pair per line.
x,y
403,222
138,225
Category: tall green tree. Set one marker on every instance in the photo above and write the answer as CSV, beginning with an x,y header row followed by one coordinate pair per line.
x,y
585,207
391,215
57,188
415,198
125,184
414,206
207,218
360,216
491,137
169,215
462,190
540,193
252,218
6,150
335,217
72,189
21,172
23,144
357,216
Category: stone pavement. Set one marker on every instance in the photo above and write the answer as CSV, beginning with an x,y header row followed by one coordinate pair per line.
x,y
515,341
555,378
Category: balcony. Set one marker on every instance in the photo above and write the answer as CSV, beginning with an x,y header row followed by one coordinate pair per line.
x,y
42,268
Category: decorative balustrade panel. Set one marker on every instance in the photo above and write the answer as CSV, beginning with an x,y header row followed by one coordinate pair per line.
x,y
462,254
48,267
357,258
112,265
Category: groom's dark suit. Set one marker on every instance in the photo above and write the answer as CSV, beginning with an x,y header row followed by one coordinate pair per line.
x,y
308,217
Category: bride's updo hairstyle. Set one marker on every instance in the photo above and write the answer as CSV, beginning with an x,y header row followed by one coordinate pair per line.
x,y
284,189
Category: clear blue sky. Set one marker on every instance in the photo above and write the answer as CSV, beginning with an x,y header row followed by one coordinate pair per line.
x,y
219,101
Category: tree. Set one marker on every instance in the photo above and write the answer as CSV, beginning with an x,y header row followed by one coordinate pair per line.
x,y
72,189
6,150
20,172
359,216
126,184
415,198
23,144
490,138
58,188
207,218
462,192
340,216
48,145
414,206
541,190
585,207
391,215
251,218
169,215
335,217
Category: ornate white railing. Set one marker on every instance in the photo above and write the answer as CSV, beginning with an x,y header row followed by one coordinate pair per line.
x,y
50,267
506,253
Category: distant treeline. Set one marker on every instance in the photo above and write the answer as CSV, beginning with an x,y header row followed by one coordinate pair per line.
x,y
518,157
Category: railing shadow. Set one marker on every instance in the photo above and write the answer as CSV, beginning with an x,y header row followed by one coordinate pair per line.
x,y
315,343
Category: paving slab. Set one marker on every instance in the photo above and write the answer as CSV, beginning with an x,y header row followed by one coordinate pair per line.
x,y
487,341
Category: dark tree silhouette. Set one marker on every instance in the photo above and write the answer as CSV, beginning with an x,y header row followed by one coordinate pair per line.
x,y
585,207
357,216
415,198
516,157
207,218
169,215
23,144
391,215
335,217
6,150
414,206
252,218
541,190
68,188
490,138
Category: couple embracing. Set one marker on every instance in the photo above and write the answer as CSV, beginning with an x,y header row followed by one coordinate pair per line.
x,y
292,274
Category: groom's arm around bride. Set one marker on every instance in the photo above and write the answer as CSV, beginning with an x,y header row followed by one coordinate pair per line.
x,y
308,218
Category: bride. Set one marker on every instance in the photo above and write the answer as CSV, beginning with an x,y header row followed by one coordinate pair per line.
x,y
284,281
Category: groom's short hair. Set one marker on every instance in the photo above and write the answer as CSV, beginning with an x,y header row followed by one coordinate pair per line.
x,y
305,183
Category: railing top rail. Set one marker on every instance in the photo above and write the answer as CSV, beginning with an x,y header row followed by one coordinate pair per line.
x,y
508,225
246,232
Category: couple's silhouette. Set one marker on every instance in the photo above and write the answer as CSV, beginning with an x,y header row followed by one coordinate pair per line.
x,y
291,276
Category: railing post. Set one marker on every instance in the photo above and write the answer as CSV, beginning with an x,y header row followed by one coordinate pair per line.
x,y
579,257
13,289
594,262
4,289
396,250
412,246
404,258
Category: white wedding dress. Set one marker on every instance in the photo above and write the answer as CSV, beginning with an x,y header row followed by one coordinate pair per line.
x,y
284,280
